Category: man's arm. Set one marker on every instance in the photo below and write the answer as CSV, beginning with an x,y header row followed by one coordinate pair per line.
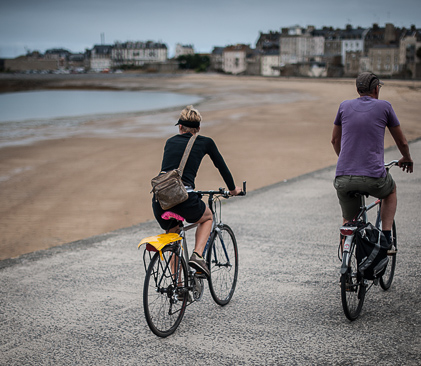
x,y
336,138
403,147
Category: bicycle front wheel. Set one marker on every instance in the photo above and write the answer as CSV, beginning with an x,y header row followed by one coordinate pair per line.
x,y
387,278
352,288
222,260
164,287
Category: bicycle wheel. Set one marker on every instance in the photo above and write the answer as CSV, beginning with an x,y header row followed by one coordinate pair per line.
x,y
222,260
163,303
387,278
352,288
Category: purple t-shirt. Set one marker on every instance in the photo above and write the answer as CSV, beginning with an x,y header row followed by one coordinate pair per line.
x,y
363,122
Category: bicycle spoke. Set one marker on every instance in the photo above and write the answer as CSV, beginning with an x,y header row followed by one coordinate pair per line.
x,y
163,308
223,262
352,288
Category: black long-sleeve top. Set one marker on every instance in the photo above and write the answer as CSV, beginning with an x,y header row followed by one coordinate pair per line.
x,y
173,152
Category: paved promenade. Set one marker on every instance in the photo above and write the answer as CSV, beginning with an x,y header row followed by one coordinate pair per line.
x,y
81,304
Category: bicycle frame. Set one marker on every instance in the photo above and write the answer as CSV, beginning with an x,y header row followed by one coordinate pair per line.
x,y
349,231
158,242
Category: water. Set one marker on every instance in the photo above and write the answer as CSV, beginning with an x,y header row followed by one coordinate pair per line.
x,y
35,115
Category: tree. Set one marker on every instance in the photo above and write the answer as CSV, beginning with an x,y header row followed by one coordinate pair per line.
x,y
195,62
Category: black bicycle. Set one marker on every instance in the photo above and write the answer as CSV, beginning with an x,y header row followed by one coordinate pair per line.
x,y
171,284
353,284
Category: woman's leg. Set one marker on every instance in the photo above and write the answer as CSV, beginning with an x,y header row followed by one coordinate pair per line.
x,y
203,231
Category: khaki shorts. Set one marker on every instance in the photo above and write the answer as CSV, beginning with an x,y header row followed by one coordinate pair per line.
x,y
376,187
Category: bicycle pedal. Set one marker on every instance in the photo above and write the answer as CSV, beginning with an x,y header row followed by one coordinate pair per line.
x,y
200,275
392,251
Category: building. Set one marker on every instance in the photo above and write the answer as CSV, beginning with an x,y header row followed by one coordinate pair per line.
x,y
299,45
352,62
352,40
138,53
234,59
384,60
409,62
268,41
270,61
181,50
216,59
100,57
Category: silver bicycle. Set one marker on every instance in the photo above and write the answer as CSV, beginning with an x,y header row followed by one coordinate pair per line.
x,y
353,284
171,284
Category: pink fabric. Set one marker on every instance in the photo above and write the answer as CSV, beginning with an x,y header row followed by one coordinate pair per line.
x,y
168,215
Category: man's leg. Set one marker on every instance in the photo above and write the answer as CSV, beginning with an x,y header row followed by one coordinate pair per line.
x,y
389,205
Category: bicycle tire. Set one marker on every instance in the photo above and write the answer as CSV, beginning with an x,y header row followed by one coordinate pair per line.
x,y
387,278
163,310
222,259
352,288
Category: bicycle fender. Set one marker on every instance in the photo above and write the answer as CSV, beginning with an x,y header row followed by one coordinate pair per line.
x,y
160,241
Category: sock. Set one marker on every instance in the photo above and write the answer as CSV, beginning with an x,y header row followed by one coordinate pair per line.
x,y
388,235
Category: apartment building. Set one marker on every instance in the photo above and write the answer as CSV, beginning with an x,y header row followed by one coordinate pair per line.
x,y
352,40
384,60
100,57
299,45
181,50
409,62
138,53
269,63
216,59
234,59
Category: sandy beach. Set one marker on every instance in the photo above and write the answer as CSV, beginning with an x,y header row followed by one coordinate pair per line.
x,y
60,190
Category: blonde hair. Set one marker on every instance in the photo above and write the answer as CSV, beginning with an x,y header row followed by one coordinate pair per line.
x,y
192,115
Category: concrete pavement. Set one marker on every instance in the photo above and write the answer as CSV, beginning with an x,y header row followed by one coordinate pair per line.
x,y
81,303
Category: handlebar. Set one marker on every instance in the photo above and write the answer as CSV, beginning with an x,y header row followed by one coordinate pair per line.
x,y
222,192
404,165
391,163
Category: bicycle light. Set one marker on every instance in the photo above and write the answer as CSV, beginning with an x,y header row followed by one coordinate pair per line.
x,y
347,230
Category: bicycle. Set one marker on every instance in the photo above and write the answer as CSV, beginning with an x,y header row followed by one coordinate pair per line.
x,y
171,284
353,285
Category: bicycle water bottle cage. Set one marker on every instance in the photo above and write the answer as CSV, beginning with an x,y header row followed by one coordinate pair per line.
x,y
158,242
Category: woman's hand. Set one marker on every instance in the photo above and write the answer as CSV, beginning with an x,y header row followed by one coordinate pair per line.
x,y
236,191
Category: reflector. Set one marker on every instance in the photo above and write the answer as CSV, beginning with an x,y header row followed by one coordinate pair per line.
x,y
347,230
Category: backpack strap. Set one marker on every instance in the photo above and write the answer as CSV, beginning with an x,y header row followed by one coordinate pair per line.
x,y
187,153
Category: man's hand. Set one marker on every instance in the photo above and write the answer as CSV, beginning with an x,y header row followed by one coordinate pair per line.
x,y
406,164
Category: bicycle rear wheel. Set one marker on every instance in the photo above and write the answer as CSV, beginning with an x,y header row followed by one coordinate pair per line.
x,y
163,302
352,288
387,278
222,260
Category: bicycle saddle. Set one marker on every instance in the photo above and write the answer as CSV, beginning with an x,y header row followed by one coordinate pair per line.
x,y
354,194
168,215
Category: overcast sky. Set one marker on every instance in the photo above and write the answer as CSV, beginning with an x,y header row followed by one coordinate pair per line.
x,y
78,24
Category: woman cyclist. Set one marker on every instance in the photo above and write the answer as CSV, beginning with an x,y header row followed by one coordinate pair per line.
x,y
194,209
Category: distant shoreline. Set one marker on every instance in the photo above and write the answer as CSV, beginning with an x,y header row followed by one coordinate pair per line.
x,y
22,82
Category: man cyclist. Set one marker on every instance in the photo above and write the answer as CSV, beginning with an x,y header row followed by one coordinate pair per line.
x,y
358,140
